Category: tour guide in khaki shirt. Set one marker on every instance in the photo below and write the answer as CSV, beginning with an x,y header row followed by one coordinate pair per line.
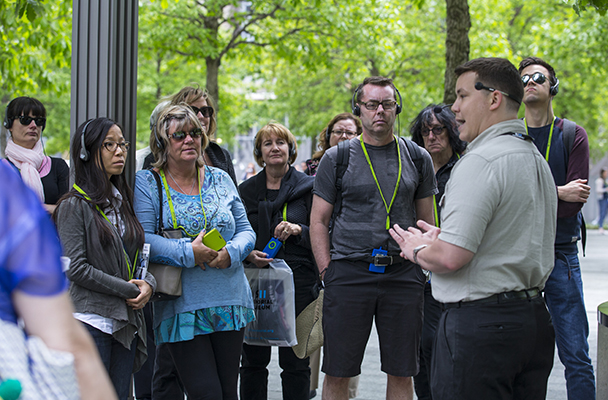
x,y
494,250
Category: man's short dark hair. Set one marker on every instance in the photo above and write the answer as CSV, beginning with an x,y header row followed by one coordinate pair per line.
x,y
526,62
445,118
498,73
376,81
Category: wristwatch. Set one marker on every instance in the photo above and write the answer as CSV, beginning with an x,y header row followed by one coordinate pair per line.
x,y
416,250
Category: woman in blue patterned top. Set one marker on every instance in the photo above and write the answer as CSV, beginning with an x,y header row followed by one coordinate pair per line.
x,y
202,329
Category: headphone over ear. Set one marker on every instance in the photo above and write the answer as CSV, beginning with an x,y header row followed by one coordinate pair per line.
x,y
553,90
357,110
84,153
8,122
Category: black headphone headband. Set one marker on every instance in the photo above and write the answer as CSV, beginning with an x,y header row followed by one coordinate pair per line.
x,y
357,110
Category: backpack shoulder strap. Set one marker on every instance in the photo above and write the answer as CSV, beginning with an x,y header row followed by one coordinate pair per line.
x,y
341,166
569,134
416,155
568,138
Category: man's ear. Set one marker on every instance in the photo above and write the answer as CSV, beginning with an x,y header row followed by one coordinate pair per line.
x,y
496,99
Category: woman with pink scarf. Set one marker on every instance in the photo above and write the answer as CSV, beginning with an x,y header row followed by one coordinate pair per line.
x,y
25,119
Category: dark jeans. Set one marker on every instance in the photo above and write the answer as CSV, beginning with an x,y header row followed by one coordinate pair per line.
x,y
117,359
566,302
208,365
295,377
432,313
493,351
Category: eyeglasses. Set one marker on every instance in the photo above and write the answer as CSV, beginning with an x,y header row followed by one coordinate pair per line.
x,y
206,111
181,135
437,130
341,133
111,146
386,104
26,120
538,77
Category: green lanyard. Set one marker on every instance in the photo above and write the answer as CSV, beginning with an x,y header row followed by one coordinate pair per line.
x,y
162,174
130,268
550,137
388,208
435,210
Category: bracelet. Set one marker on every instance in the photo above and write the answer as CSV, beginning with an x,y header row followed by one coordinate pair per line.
x,y
321,273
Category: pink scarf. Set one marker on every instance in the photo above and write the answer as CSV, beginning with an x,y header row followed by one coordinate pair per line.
x,y
33,164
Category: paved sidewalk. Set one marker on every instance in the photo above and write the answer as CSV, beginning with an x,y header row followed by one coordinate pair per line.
x,y
372,385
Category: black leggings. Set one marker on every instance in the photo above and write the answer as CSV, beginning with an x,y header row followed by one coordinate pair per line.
x,y
208,365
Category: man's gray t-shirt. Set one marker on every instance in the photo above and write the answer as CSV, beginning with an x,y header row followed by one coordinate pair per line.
x,y
360,226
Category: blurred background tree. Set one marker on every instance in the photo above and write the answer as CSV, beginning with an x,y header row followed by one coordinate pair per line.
x,y
298,61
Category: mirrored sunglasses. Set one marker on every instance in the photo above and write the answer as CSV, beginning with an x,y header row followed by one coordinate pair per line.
x,y
538,77
181,135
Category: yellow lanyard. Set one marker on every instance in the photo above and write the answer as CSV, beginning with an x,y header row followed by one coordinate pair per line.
x,y
166,186
284,216
550,137
387,207
436,211
130,268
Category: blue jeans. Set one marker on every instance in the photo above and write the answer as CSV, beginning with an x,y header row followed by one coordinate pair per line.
x,y
603,204
564,297
117,359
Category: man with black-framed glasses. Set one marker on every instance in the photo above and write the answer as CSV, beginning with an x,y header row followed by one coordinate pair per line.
x,y
565,147
365,279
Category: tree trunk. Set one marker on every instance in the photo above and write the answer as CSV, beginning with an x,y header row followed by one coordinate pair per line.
x,y
457,44
213,68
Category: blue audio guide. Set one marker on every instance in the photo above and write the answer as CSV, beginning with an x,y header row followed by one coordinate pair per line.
x,y
272,247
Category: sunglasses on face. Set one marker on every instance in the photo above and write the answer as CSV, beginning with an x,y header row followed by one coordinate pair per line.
x,y
206,111
538,77
437,130
26,120
112,146
181,135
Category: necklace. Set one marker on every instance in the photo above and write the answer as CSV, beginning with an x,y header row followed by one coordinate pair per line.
x,y
180,188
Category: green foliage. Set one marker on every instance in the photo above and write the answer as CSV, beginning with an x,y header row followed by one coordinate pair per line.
x,y
35,46
299,61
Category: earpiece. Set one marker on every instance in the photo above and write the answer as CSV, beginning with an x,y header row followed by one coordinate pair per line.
x,y
84,154
357,110
553,90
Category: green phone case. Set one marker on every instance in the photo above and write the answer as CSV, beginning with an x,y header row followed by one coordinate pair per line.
x,y
214,240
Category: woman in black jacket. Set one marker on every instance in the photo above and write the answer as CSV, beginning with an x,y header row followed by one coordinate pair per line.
x,y
278,201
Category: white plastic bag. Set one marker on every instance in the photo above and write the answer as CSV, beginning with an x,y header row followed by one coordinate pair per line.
x,y
275,308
